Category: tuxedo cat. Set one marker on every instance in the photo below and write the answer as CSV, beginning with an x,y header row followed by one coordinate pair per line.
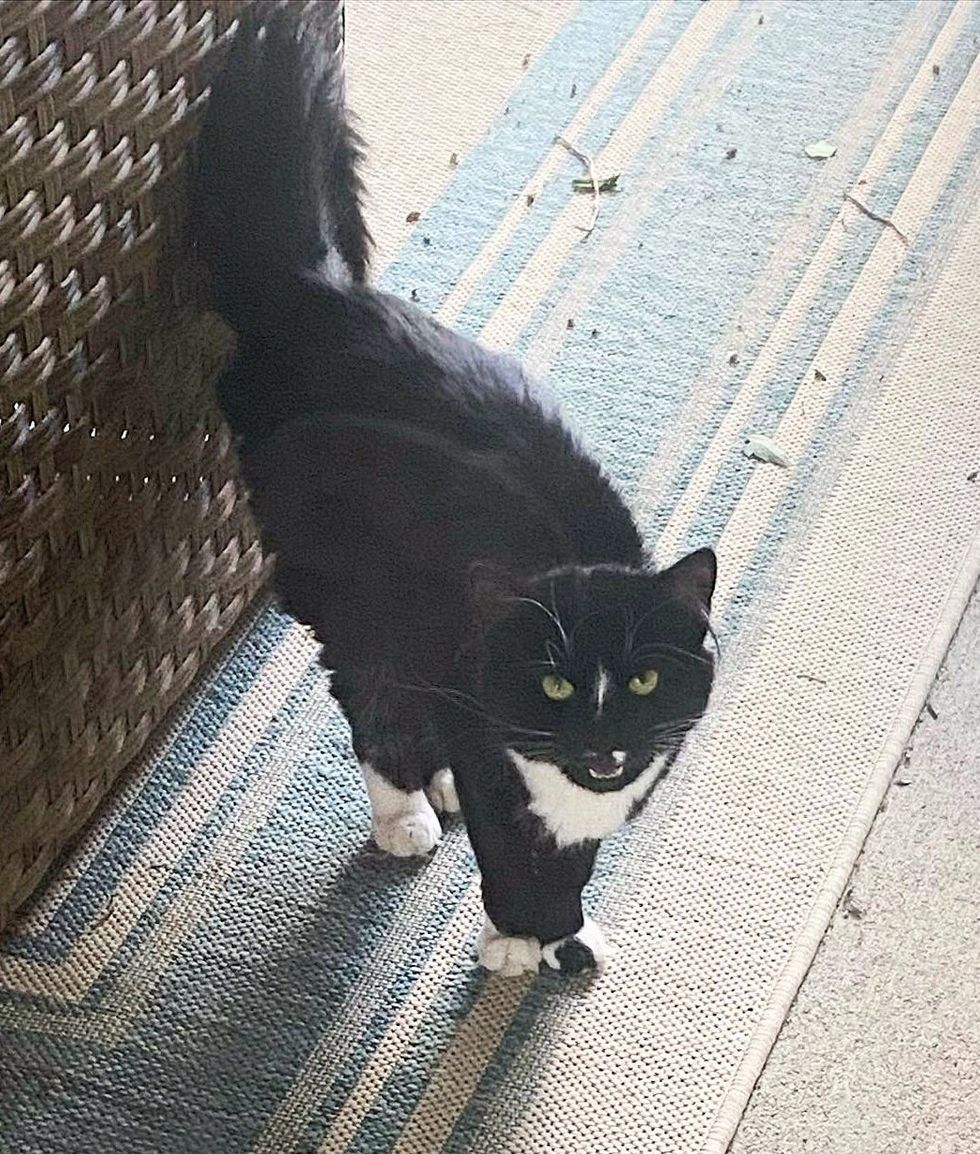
x,y
499,639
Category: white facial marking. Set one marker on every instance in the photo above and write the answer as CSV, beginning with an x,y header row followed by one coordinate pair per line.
x,y
403,823
601,689
571,813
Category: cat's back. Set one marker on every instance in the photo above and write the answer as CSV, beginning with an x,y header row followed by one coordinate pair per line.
x,y
387,419
328,348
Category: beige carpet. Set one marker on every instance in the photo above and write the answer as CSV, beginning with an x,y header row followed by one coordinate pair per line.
x,y
878,1054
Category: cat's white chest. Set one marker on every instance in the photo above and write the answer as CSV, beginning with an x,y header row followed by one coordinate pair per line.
x,y
572,814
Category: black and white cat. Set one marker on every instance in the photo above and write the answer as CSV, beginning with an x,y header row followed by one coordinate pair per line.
x,y
480,590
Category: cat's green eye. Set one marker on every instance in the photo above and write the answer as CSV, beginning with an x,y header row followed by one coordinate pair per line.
x,y
557,688
644,684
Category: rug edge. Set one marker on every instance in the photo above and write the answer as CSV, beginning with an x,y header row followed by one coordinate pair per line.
x,y
736,1098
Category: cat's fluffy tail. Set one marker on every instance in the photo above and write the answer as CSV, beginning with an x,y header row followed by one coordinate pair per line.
x,y
276,189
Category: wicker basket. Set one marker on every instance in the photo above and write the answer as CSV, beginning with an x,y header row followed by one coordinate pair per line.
x,y
126,547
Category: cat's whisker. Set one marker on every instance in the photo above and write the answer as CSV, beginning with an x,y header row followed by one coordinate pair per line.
x,y
647,616
548,613
464,700
681,725
629,632
672,740
687,719
561,628
649,651
673,733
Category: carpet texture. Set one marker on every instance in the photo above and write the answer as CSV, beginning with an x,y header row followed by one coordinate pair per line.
x,y
893,987
225,963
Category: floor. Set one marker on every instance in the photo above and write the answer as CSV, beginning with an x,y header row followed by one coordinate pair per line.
x,y
881,1053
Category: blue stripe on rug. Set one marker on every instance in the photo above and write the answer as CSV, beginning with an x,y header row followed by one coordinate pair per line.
x,y
550,200
496,170
885,339
783,382
702,245
208,711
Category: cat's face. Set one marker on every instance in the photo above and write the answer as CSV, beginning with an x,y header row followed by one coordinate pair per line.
x,y
601,671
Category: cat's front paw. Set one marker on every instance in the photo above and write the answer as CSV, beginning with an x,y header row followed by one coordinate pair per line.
x,y
585,950
411,833
508,956
441,792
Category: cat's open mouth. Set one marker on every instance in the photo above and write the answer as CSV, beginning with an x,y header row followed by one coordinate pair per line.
x,y
606,768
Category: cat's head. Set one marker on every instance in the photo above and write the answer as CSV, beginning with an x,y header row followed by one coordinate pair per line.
x,y
601,670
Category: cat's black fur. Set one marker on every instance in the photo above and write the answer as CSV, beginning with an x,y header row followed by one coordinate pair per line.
x,y
435,522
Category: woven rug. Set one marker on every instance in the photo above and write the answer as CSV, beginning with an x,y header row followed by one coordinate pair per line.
x,y
225,964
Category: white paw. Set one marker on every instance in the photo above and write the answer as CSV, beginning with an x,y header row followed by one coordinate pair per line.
x,y
403,823
585,950
507,956
441,791
410,834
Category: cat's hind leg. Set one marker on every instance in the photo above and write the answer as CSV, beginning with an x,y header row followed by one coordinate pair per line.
x,y
399,759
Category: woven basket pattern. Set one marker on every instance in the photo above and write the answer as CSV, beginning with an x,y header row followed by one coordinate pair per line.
x,y
126,547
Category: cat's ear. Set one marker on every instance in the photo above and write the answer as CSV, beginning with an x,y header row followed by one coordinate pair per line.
x,y
692,581
493,591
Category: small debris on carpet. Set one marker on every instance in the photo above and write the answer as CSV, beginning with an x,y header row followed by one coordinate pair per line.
x,y
811,677
427,240
733,360
594,333
818,375
820,150
935,70
731,154
586,159
973,476
106,913
415,294
607,184
886,221
570,323
574,92
453,160
851,907
526,61
413,217
765,449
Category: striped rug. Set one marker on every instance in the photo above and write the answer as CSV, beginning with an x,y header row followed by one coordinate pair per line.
x,y
226,964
